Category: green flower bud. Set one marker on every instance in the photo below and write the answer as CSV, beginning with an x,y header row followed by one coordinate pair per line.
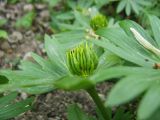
x,y
82,60
98,21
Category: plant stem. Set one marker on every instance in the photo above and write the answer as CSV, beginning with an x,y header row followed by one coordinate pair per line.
x,y
93,93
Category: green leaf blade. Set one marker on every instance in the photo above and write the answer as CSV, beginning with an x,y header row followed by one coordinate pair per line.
x,y
121,6
75,113
150,102
127,89
56,54
155,23
11,109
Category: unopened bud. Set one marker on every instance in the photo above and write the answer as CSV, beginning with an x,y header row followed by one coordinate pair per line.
x,y
98,21
82,60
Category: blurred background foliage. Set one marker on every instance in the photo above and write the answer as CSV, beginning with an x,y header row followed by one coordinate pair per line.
x,y
75,14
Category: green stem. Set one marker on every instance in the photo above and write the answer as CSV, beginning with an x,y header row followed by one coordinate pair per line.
x,y
93,93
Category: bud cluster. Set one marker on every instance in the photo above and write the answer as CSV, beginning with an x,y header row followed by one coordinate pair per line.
x,y
98,21
82,60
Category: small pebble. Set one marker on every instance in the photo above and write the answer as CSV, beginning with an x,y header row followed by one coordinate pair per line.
x,y
24,95
28,7
45,14
5,45
40,6
48,97
1,54
15,37
40,117
51,119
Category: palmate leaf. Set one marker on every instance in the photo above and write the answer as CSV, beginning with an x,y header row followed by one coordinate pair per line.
x,y
116,41
116,72
133,86
26,81
82,4
39,76
132,6
81,19
71,38
65,26
56,54
8,109
46,65
137,81
44,75
65,15
81,22
85,3
107,59
125,45
127,24
100,3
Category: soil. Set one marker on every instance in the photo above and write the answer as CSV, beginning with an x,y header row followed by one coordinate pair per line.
x,y
19,45
53,105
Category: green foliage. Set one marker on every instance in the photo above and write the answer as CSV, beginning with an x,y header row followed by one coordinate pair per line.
x,y
39,77
134,44
34,1
126,43
80,4
3,80
3,22
144,80
122,42
10,109
122,115
74,112
48,74
12,1
132,5
101,3
76,15
72,20
53,3
98,21
26,20
73,83
3,34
